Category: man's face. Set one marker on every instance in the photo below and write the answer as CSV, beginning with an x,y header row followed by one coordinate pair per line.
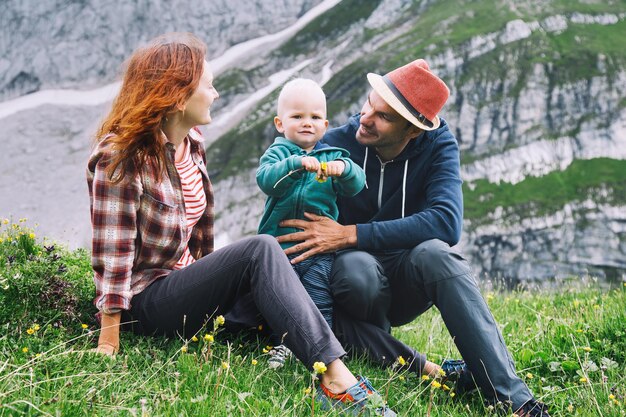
x,y
383,128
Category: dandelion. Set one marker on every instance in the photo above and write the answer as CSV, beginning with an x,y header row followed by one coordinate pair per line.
x,y
452,394
220,320
587,349
260,327
208,338
583,380
84,326
307,390
570,408
319,367
401,361
36,327
529,375
225,365
425,378
445,387
611,397
435,384
401,378
30,331
5,221
580,330
31,235
38,355
254,362
194,339
184,349
24,349
441,372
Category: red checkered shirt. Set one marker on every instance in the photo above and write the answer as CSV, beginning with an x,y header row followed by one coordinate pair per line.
x,y
139,225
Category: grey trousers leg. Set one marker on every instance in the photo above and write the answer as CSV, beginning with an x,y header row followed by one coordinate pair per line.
x,y
433,274
181,302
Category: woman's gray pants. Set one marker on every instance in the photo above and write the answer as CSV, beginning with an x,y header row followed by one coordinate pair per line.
x,y
255,269
375,291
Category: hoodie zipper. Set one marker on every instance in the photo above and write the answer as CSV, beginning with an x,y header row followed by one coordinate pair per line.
x,y
382,179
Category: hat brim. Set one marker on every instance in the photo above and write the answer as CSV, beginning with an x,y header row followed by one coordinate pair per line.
x,y
379,85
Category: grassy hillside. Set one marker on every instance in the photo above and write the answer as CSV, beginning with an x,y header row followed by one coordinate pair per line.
x,y
536,196
569,346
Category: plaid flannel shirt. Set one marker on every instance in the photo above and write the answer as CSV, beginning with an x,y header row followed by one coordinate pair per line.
x,y
139,225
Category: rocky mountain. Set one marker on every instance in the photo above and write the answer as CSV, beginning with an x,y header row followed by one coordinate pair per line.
x,y
537,104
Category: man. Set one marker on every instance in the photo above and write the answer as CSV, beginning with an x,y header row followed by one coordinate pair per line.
x,y
394,238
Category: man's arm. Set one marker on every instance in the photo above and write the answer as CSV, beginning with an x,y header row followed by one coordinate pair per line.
x,y
319,235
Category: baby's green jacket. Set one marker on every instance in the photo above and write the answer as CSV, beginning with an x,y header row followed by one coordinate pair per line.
x,y
292,191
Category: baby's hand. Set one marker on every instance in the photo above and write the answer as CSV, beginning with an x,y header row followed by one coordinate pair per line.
x,y
334,168
310,164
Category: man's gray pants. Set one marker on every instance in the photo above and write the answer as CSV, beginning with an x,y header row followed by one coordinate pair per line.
x,y
375,291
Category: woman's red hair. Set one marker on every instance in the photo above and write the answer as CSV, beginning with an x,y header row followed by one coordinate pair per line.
x,y
159,79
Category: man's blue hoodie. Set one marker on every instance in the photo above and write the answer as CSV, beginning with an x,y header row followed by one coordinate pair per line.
x,y
413,198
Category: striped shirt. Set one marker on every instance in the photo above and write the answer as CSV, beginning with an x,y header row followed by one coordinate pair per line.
x,y
194,197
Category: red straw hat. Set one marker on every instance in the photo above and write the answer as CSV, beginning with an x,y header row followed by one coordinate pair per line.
x,y
414,92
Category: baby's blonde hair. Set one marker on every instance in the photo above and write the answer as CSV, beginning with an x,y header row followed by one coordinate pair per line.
x,y
295,86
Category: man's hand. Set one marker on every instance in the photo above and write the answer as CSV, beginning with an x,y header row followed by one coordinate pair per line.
x,y
319,235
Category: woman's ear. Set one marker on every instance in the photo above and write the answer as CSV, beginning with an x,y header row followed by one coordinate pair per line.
x,y
279,124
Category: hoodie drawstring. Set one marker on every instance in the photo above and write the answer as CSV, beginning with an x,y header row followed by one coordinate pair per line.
x,y
406,168
365,165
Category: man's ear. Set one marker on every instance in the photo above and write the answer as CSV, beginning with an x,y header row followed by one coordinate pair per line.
x,y
413,131
279,124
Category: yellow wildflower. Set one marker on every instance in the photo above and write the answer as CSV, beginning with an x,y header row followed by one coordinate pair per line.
x,y
208,338
254,362
36,327
307,390
583,380
445,387
260,327
220,320
580,330
5,221
611,397
401,378
31,235
38,355
435,384
425,378
84,326
25,349
194,339
587,349
30,331
529,375
452,394
401,361
225,365
441,372
570,408
184,349
319,367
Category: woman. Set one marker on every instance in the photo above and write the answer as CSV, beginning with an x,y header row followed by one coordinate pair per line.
x,y
152,217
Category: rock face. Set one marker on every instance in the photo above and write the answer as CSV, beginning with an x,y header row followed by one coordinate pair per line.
x,y
60,44
532,94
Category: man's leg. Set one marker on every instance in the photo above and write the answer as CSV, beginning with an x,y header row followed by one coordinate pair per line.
x,y
445,278
360,287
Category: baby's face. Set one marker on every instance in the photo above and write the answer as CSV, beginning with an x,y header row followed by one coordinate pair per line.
x,y
302,118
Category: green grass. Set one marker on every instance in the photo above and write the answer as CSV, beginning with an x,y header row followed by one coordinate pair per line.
x,y
541,195
569,344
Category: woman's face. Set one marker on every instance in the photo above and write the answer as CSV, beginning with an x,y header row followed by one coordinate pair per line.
x,y
198,107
